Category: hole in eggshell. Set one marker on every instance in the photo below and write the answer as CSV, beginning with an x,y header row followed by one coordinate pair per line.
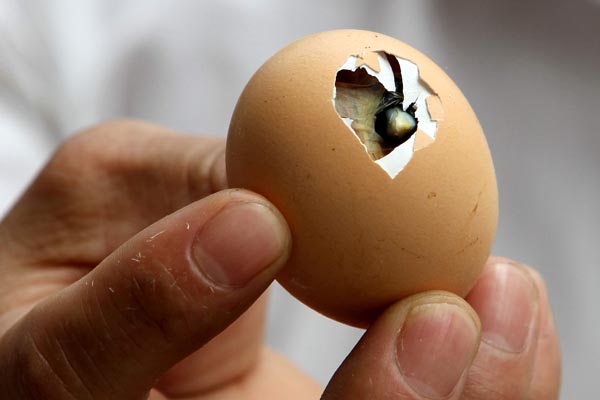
x,y
385,106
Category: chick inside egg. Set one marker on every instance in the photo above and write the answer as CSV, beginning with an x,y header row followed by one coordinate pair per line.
x,y
384,103
387,192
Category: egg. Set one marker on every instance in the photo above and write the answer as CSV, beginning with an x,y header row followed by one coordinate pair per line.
x,y
379,165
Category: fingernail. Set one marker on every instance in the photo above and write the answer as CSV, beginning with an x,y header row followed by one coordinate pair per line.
x,y
238,243
435,347
505,300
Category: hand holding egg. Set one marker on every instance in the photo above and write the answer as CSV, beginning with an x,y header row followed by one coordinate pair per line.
x,y
379,165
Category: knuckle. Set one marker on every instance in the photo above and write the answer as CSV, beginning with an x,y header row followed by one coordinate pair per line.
x,y
36,374
66,359
122,153
101,154
96,145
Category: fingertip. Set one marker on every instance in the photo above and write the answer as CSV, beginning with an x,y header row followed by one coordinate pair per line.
x,y
407,351
438,331
434,297
277,219
547,373
218,170
538,282
507,302
239,242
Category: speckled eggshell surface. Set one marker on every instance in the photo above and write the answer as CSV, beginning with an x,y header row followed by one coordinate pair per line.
x,y
362,239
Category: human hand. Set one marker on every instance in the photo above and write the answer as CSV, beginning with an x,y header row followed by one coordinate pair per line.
x,y
95,304
499,344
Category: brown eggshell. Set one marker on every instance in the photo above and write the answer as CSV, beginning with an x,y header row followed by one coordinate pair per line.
x,y
362,240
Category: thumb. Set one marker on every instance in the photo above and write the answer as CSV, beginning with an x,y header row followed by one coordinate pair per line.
x,y
159,297
420,348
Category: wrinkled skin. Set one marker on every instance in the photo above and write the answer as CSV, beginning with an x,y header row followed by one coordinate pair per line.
x,y
105,295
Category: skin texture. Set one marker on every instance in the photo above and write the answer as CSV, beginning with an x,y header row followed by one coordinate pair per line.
x,y
128,271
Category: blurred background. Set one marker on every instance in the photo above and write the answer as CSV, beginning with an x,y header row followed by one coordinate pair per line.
x,y
529,68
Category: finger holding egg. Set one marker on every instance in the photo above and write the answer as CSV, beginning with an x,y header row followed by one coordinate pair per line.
x,y
379,165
